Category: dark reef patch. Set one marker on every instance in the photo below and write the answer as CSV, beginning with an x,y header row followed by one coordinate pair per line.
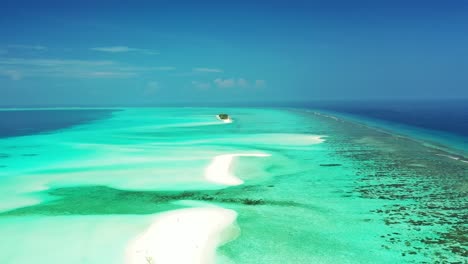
x,y
423,191
330,165
99,200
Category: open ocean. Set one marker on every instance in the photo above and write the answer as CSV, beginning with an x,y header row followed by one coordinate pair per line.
x,y
305,184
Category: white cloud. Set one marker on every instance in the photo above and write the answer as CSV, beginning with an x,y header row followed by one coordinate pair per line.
x,y
63,68
224,83
145,69
121,49
164,68
149,52
242,82
28,47
201,85
238,82
114,49
52,62
108,74
207,70
12,74
260,83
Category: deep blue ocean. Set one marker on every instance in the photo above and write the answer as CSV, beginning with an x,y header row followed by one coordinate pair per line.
x,y
27,122
444,123
449,116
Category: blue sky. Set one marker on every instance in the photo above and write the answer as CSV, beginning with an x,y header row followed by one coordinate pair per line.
x,y
159,52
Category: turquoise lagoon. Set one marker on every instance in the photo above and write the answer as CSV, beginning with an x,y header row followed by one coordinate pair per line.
x,y
81,194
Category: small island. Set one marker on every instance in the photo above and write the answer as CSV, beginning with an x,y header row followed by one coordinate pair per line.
x,y
224,117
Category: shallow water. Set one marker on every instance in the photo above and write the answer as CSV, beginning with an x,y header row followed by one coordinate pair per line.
x,y
360,196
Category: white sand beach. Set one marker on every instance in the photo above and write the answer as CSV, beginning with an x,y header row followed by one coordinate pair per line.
x,y
219,169
184,236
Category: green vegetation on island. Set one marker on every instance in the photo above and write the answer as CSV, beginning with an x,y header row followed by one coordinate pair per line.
x,y
223,116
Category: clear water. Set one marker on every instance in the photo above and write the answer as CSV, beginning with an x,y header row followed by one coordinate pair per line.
x,y
83,192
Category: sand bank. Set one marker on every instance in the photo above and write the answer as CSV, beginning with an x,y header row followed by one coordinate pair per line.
x,y
184,236
219,169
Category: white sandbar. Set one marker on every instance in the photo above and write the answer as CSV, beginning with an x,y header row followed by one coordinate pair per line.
x,y
219,169
184,236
